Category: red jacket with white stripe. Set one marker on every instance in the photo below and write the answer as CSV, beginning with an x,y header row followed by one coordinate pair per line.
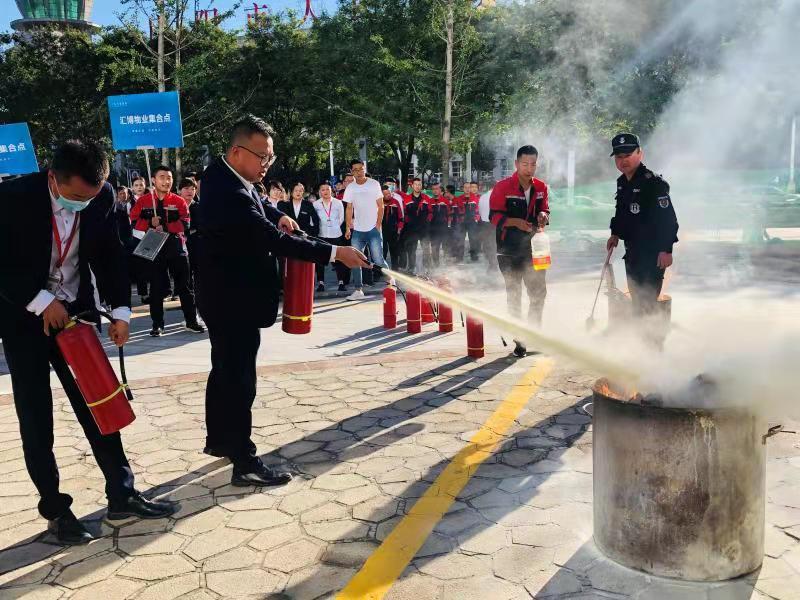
x,y
508,201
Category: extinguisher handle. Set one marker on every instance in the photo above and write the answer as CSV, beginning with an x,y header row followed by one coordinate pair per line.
x,y
89,315
123,376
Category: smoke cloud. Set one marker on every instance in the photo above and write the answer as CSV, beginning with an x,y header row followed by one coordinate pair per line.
x,y
730,68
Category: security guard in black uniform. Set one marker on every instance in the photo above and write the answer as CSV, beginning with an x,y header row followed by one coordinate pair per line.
x,y
645,219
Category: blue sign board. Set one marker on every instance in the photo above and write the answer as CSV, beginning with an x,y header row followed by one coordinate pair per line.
x,y
17,156
146,121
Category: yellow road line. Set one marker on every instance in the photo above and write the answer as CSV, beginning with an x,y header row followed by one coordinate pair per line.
x,y
391,558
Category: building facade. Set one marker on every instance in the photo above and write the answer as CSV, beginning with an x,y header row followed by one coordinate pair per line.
x,y
55,14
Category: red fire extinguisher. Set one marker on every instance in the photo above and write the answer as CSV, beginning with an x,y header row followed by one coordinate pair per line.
x,y
298,296
389,307
413,312
445,312
474,338
445,318
427,311
106,397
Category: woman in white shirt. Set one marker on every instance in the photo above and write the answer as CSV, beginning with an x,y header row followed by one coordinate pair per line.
x,y
330,211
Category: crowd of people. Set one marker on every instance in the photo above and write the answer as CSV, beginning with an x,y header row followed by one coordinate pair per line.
x,y
223,234
393,226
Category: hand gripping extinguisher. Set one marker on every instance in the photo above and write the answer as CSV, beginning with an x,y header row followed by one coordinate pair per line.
x,y
298,296
413,312
108,399
445,312
390,307
474,338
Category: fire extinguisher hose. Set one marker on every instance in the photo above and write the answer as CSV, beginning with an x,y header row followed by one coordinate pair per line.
x,y
89,316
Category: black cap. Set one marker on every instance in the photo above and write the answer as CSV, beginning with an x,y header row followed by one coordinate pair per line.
x,y
623,143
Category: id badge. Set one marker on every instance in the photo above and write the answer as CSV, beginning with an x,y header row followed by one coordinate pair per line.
x,y
54,282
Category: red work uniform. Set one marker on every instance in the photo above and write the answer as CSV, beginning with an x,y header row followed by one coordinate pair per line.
x,y
457,232
471,219
415,227
509,200
439,228
391,228
173,258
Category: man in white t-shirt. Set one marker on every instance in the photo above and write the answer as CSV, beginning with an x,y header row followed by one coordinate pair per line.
x,y
364,201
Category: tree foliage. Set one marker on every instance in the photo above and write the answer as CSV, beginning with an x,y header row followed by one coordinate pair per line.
x,y
374,70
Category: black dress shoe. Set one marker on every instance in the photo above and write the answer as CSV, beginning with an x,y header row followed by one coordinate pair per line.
x,y
139,506
68,530
258,474
519,349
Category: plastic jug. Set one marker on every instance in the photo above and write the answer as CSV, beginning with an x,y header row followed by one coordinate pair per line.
x,y
540,246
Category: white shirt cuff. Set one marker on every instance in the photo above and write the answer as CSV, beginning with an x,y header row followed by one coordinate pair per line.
x,y
122,313
333,253
41,301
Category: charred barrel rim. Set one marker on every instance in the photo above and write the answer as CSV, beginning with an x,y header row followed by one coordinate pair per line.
x,y
695,398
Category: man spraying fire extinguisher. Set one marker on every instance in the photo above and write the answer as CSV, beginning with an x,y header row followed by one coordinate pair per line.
x,y
57,228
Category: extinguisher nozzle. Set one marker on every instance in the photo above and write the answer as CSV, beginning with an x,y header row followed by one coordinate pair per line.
x,y
377,269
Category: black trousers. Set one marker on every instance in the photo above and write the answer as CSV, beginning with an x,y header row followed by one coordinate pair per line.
x,y
178,265
141,268
411,239
29,353
341,270
457,235
517,270
475,241
644,282
391,248
439,236
231,388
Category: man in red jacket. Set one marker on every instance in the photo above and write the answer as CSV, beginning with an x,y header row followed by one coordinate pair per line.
x,y
472,219
439,228
168,212
519,208
416,213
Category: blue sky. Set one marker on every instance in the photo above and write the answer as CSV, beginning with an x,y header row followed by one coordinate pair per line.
x,y
104,12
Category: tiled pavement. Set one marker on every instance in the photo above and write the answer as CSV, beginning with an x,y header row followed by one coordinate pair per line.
x,y
366,442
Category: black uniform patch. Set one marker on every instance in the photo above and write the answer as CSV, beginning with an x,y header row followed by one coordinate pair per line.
x,y
663,201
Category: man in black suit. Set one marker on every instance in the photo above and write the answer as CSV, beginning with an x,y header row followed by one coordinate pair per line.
x,y
57,228
237,240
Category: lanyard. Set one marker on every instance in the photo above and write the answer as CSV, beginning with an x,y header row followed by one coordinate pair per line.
x,y
63,255
327,212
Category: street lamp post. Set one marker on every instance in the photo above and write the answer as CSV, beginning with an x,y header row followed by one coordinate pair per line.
x,y
791,187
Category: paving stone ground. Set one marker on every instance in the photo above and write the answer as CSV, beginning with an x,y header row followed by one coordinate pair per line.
x,y
366,434
366,442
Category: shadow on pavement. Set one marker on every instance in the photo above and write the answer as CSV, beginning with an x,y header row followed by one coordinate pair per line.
x,y
360,435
